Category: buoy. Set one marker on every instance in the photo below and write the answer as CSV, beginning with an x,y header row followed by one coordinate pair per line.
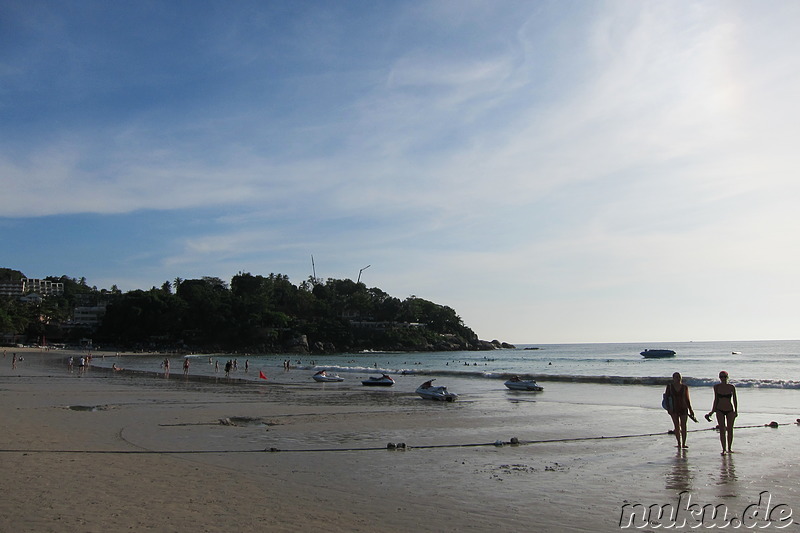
x,y
772,424
514,441
391,446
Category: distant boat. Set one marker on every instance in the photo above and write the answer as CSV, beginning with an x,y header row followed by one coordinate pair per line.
x,y
655,354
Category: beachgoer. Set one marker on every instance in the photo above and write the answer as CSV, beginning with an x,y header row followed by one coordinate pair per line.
x,y
14,362
185,366
166,367
681,407
216,366
726,406
247,365
228,366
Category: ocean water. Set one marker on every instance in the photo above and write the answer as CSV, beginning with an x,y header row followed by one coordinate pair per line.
x,y
750,364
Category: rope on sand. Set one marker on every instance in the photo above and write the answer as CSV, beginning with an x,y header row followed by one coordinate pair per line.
x,y
391,446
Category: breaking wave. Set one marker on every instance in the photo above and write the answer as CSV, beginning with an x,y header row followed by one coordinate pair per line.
x,y
564,378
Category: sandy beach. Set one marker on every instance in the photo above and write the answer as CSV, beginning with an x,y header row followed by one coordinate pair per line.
x,y
115,451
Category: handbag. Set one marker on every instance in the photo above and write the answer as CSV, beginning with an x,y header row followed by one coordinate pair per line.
x,y
666,402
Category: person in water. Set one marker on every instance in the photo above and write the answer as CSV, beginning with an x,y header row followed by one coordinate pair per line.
x,y
681,407
726,406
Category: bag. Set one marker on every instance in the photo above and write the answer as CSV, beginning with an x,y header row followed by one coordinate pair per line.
x,y
666,402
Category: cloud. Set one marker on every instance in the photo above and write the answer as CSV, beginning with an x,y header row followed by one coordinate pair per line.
x,y
594,156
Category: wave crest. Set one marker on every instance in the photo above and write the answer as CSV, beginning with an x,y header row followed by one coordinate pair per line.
x,y
564,378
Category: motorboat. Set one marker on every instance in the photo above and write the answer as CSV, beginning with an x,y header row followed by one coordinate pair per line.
x,y
516,383
324,377
382,381
656,354
429,392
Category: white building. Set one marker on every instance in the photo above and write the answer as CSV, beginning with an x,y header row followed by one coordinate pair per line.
x,y
42,286
89,316
25,286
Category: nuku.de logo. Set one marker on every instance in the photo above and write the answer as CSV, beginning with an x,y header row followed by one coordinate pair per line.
x,y
763,514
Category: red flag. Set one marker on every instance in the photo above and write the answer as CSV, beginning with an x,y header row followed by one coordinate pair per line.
x,y
261,375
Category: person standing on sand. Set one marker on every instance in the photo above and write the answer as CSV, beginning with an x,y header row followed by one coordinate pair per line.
x,y
681,407
726,405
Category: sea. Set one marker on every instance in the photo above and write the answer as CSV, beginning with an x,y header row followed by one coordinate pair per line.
x,y
750,364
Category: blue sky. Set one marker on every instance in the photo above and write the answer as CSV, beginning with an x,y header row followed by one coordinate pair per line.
x,y
554,171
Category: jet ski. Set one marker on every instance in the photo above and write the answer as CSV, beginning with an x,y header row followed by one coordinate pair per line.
x,y
429,392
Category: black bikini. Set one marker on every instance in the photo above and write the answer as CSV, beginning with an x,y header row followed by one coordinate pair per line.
x,y
728,396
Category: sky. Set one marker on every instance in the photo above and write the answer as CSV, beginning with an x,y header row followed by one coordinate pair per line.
x,y
555,171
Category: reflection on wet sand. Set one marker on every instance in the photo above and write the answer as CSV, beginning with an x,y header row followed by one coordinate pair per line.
x,y
680,478
727,477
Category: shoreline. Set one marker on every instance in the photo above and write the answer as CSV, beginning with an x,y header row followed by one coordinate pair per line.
x,y
158,445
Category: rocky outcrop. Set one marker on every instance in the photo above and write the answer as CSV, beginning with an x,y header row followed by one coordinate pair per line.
x,y
298,345
320,347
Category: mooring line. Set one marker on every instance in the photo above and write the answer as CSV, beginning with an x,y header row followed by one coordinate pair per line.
x,y
391,446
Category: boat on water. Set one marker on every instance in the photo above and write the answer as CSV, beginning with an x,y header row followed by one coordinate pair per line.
x,y
655,354
428,392
516,383
382,381
324,377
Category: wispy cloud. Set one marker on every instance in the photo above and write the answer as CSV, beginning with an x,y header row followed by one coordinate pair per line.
x,y
488,156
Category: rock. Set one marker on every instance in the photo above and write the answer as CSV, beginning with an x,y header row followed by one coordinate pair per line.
x,y
298,345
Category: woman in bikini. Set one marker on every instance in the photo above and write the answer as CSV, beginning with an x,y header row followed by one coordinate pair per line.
x,y
726,407
681,407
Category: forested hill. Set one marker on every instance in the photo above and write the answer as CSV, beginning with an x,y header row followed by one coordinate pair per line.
x,y
269,314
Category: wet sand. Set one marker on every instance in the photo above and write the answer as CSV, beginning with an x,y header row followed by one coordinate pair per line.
x,y
114,451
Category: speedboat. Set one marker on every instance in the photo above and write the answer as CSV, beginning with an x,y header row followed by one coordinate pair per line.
x,y
324,377
429,392
657,354
516,383
383,381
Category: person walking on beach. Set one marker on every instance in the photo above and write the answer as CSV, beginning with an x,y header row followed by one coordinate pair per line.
x,y
726,406
14,362
166,367
681,409
185,366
